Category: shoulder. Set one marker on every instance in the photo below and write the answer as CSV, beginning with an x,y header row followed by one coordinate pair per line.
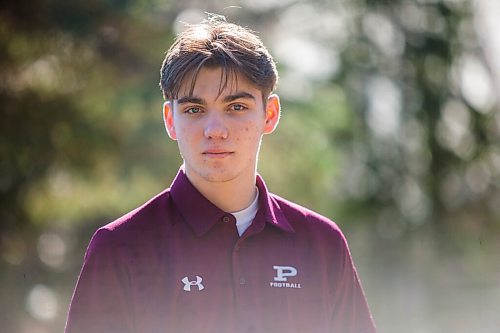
x,y
302,218
320,234
157,207
149,218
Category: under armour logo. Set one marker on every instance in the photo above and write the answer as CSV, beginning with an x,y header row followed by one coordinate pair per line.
x,y
283,272
188,284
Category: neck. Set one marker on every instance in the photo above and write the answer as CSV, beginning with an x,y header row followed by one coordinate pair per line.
x,y
230,196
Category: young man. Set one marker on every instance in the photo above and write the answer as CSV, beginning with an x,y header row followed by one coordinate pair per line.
x,y
216,252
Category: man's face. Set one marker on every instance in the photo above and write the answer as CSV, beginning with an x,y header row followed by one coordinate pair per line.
x,y
219,134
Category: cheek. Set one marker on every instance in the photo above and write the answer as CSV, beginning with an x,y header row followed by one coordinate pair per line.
x,y
250,133
185,137
185,132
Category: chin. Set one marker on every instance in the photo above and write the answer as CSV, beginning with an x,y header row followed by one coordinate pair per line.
x,y
219,173
219,177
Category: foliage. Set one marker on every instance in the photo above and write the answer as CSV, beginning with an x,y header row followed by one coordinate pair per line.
x,y
435,154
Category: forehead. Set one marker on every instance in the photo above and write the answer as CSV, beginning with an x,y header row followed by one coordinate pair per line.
x,y
216,82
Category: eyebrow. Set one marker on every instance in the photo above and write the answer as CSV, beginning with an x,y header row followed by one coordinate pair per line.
x,y
201,101
191,99
239,95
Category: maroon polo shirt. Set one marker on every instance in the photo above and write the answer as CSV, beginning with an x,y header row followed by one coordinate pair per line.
x,y
177,264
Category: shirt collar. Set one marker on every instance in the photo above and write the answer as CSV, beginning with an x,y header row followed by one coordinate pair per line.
x,y
202,215
269,209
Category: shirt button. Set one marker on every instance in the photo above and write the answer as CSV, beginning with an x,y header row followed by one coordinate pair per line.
x,y
242,281
226,219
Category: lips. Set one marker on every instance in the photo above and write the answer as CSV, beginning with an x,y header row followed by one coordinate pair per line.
x,y
217,153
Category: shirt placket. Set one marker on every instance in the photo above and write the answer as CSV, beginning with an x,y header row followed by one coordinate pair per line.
x,y
240,285
243,282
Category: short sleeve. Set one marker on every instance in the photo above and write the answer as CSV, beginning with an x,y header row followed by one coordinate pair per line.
x,y
351,313
100,302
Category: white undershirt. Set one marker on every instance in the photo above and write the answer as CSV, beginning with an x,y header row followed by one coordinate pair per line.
x,y
245,217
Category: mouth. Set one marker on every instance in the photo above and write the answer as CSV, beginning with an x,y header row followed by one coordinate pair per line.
x,y
217,153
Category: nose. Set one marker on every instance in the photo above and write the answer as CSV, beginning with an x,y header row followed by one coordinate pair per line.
x,y
215,128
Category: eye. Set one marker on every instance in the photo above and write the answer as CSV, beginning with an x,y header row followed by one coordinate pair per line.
x,y
238,107
192,110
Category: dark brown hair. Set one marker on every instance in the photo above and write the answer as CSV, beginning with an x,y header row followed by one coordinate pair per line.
x,y
217,43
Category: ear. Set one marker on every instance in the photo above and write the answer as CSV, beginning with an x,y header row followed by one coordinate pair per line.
x,y
168,119
273,111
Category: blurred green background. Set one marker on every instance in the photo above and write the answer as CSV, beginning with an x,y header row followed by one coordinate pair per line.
x,y
390,126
